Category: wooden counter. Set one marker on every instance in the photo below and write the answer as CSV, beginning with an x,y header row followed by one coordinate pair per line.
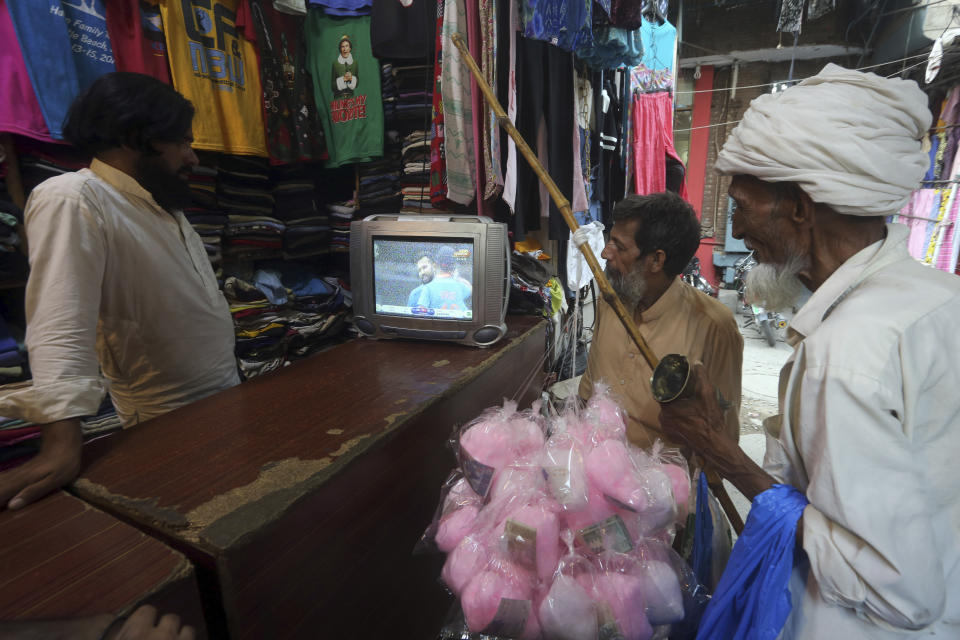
x,y
61,558
301,494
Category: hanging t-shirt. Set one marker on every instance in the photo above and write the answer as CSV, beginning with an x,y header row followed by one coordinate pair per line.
x,y
346,81
19,110
659,44
136,34
403,29
65,48
289,111
215,67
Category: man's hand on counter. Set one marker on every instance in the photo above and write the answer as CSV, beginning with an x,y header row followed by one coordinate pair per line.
x,y
57,464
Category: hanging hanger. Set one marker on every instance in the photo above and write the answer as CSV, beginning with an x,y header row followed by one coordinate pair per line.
x,y
651,11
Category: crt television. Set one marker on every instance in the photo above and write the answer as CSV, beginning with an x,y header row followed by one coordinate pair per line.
x,y
430,277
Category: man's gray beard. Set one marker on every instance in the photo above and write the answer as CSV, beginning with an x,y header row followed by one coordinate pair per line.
x,y
630,287
776,286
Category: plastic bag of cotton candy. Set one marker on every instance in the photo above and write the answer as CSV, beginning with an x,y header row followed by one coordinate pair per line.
x,y
558,528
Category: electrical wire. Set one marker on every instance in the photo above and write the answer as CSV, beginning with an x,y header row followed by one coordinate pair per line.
x,y
770,84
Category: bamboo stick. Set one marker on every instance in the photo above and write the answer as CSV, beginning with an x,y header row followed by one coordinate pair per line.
x,y
562,204
606,290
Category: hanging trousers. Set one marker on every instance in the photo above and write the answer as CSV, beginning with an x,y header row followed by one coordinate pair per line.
x,y
545,88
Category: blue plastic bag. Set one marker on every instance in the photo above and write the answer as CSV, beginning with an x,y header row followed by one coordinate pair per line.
x,y
752,600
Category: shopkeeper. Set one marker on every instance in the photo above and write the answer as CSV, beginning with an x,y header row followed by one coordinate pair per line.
x,y
120,282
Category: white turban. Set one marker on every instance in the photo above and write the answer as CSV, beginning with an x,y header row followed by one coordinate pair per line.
x,y
849,139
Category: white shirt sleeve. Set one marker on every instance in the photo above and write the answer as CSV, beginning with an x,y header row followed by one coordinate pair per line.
x,y
67,263
867,531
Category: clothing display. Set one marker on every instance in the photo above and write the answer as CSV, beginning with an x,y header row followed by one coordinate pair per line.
x,y
215,67
403,29
159,346
289,111
19,110
347,87
652,143
461,169
65,48
881,556
683,320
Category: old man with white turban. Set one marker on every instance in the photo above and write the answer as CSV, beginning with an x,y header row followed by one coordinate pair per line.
x,y
854,532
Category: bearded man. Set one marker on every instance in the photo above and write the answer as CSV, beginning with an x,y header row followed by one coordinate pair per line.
x,y
652,240
858,498
120,282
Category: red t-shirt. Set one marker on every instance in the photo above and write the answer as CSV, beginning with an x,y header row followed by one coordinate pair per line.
x,y
136,35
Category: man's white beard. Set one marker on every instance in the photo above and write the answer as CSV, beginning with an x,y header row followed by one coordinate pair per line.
x,y
776,286
630,287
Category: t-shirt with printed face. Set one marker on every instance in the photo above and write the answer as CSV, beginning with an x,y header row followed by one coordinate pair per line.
x,y
215,67
346,82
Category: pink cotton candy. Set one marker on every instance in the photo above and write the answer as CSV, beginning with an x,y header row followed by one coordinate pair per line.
x,y
482,595
563,465
607,416
527,437
661,593
623,594
680,483
542,551
488,443
660,511
455,526
517,482
596,510
567,613
465,561
611,472
460,494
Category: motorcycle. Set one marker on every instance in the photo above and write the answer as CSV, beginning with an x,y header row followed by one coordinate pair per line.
x,y
692,276
766,322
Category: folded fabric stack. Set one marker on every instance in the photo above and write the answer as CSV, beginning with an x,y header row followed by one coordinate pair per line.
x,y
245,192
207,219
414,87
20,439
341,215
11,355
307,229
415,183
388,93
285,312
13,263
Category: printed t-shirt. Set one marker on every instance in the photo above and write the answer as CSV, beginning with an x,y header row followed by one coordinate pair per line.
x,y
136,34
65,48
289,111
215,67
19,110
346,81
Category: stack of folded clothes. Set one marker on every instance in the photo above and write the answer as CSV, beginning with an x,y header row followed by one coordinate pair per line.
x,y
11,356
203,214
307,230
415,182
245,193
283,312
20,439
13,263
341,215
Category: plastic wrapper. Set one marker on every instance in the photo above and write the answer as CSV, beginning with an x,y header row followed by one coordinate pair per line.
x,y
568,610
499,437
563,468
606,416
500,601
565,537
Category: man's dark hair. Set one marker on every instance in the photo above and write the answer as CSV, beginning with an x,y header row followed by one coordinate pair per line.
x,y
665,221
132,109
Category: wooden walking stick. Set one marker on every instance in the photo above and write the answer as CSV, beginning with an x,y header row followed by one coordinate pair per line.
x,y
671,374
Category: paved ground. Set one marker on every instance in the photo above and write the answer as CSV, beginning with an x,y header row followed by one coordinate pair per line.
x,y
761,370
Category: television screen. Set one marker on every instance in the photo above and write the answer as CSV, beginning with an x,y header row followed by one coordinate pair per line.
x,y
423,278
